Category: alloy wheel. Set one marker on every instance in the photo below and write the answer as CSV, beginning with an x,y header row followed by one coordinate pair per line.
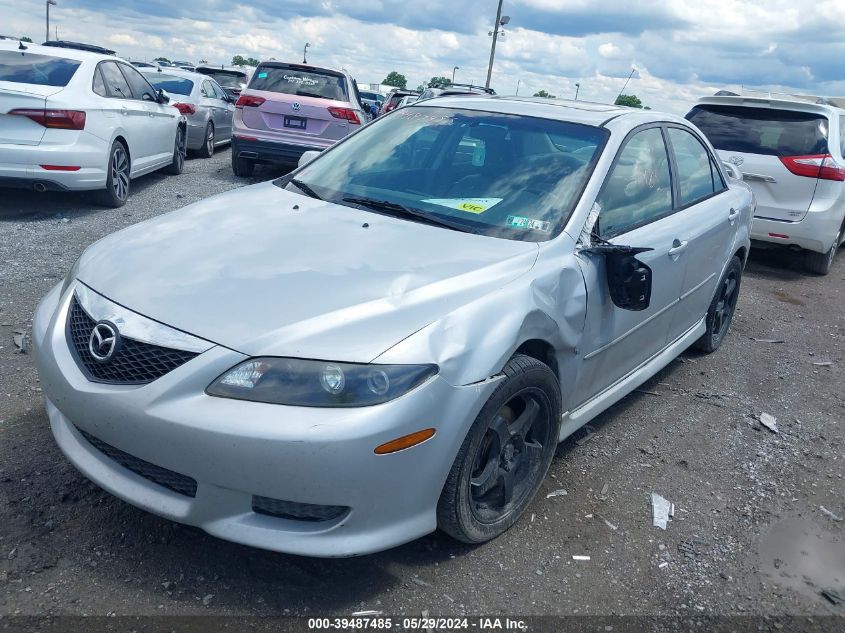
x,y
209,140
509,456
181,148
725,306
120,173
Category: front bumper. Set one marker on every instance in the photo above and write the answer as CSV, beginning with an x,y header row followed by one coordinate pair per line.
x,y
815,232
236,450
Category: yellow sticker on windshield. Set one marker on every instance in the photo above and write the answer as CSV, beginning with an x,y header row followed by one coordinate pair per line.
x,y
470,205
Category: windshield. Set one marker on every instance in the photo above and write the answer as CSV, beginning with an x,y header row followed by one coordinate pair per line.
x,y
42,70
501,175
300,81
170,83
227,80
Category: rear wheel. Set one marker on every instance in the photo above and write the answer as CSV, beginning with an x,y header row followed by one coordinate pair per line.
x,y
505,456
722,308
180,149
242,167
207,149
117,178
821,263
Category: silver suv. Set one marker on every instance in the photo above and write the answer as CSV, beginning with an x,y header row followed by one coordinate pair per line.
x,y
791,153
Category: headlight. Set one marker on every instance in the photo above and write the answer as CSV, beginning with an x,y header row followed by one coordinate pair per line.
x,y
71,275
316,383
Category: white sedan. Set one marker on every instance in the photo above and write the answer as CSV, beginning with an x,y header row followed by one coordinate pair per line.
x,y
76,118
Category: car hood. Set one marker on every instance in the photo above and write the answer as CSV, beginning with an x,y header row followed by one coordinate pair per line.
x,y
265,271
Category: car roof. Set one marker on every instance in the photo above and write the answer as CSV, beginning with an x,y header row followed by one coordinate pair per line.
x,y
797,103
585,112
55,51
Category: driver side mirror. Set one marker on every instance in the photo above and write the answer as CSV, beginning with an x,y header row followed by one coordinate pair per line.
x,y
628,279
733,170
162,97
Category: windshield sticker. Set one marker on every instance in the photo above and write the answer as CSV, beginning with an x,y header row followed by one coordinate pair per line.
x,y
519,222
262,75
470,205
302,81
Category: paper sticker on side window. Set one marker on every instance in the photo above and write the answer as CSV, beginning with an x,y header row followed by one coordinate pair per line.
x,y
520,222
470,205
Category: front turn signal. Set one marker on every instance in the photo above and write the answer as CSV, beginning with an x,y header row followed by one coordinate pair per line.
x,y
406,441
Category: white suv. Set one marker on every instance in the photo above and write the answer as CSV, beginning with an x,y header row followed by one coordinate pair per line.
x,y
74,119
790,151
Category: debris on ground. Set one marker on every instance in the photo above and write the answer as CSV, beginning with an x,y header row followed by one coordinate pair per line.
x,y
557,493
824,363
359,614
766,340
207,599
604,490
576,557
419,581
21,343
647,392
833,596
832,515
769,421
661,511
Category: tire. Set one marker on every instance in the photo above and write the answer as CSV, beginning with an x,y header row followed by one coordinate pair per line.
x,y
118,182
242,167
207,149
473,505
180,150
821,263
722,308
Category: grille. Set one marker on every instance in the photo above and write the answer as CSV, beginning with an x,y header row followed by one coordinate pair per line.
x,y
182,484
134,363
296,511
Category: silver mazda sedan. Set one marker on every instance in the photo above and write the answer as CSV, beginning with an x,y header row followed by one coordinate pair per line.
x,y
394,337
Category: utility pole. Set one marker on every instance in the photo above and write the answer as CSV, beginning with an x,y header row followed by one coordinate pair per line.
x,y
517,86
453,72
304,51
577,88
500,21
49,2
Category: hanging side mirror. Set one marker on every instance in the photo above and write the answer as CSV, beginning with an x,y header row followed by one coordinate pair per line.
x,y
628,279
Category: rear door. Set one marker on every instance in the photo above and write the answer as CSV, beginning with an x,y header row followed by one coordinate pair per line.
x,y
26,80
302,105
225,110
778,151
160,127
134,121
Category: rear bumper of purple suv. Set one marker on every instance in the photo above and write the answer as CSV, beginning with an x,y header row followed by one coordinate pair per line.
x,y
271,151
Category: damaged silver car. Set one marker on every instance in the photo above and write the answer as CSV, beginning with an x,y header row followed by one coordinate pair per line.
x,y
393,338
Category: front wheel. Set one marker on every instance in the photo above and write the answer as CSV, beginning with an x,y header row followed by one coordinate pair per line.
x,y
505,456
722,308
180,149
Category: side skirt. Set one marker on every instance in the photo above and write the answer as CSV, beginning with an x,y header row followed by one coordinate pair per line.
x,y
574,420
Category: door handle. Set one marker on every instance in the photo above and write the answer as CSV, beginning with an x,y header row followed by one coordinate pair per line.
x,y
678,247
733,215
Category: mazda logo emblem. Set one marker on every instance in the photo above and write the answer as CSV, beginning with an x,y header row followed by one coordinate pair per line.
x,y
295,106
104,341
736,160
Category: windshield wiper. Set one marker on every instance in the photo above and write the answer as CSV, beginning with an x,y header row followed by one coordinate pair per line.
x,y
396,209
304,188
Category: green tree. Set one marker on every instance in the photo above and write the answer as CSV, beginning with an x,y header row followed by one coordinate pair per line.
x,y
240,60
544,94
632,101
395,79
26,39
439,81
162,59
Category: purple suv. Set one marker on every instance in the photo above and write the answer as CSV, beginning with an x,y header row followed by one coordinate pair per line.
x,y
289,109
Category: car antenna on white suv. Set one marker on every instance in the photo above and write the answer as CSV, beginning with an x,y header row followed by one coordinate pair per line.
x,y
21,46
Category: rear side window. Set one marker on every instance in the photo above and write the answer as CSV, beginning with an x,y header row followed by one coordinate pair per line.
x,y
141,89
300,82
762,130
172,84
42,70
696,179
115,81
99,86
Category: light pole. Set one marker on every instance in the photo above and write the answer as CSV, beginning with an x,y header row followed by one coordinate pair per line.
x,y
49,2
304,52
517,86
577,88
625,85
501,20
453,72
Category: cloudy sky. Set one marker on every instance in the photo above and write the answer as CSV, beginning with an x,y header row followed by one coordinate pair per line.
x,y
681,49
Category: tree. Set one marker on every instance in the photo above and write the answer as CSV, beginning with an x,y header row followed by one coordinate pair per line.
x,y
395,79
162,59
26,39
439,81
632,101
545,95
239,60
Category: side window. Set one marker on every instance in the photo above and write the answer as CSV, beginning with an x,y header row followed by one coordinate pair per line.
x,y
99,85
638,189
207,90
218,91
115,81
141,88
695,169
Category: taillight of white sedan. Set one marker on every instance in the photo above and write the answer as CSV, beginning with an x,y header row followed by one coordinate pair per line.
x,y
75,119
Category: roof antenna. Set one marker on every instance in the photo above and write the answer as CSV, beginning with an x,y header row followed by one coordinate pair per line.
x,y
21,47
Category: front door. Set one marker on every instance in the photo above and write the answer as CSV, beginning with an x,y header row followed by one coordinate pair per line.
x,y
636,208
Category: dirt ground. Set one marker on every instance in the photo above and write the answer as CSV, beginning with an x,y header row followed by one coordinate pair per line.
x,y
757,527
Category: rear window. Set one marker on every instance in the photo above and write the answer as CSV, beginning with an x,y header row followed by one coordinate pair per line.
x,y
762,130
171,83
227,80
42,70
301,82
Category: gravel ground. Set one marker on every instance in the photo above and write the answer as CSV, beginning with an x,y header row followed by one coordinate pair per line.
x,y
756,530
